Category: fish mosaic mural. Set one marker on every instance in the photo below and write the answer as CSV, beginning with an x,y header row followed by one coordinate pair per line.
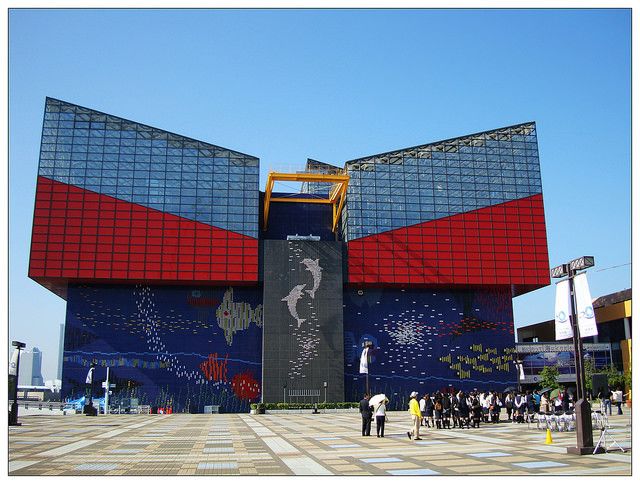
x,y
236,316
316,272
429,340
167,344
292,302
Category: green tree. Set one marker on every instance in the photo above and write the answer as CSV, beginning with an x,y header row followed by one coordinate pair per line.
x,y
589,369
615,378
627,379
549,377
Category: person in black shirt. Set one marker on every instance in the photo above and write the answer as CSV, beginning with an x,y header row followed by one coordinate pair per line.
x,y
476,412
463,410
565,400
366,411
429,415
437,409
446,411
530,403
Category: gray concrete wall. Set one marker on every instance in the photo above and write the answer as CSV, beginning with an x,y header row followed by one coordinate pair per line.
x,y
302,333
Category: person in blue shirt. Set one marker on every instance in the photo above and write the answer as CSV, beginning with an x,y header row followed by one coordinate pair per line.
x,y
536,401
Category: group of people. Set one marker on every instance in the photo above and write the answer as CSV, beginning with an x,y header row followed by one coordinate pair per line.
x,y
453,410
368,411
608,396
446,410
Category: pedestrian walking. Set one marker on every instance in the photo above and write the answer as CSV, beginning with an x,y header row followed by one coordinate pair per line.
x,y
380,412
518,406
508,404
605,397
530,405
617,399
476,412
494,407
565,400
486,403
423,409
463,410
544,403
536,402
446,411
437,409
416,416
455,409
429,417
366,412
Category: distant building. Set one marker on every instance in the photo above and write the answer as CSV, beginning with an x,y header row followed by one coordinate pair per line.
x,y
613,316
31,368
36,368
25,369
60,352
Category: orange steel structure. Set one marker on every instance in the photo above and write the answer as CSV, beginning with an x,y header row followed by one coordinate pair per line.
x,y
337,194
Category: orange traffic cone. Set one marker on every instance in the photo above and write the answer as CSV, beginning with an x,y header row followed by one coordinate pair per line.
x,y
549,440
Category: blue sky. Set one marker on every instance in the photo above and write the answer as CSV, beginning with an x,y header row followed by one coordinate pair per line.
x,y
335,85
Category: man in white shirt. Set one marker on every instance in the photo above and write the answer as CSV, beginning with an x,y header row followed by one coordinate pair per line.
x,y
617,399
485,402
423,410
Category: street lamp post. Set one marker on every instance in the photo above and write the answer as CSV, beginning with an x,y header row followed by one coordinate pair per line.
x,y
88,408
13,415
584,429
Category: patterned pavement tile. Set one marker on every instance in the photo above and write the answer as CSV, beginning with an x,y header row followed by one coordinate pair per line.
x,y
477,469
413,472
540,464
289,444
380,459
489,454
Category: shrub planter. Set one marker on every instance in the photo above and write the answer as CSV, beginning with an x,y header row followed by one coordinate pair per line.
x,y
310,410
277,408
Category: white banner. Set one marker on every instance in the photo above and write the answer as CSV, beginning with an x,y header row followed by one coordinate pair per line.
x,y
89,379
13,364
584,307
563,323
364,363
521,371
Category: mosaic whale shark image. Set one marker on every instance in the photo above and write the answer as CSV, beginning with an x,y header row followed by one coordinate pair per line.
x,y
236,316
292,302
316,271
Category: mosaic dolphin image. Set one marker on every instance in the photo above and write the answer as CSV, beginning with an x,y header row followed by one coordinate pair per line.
x,y
316,271
292,302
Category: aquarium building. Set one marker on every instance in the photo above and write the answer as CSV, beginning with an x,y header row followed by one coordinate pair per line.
x,y
197,288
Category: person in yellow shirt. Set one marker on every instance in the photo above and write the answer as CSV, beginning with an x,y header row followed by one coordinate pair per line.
x,y
416,417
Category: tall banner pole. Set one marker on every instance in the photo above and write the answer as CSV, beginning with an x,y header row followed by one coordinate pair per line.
x,y
13,414
368,361
583,321
106,394
584,428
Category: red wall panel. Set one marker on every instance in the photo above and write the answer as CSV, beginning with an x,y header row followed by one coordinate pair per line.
x,y
501,244
83,235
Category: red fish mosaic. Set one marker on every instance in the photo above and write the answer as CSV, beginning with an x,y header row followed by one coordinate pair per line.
x,y
245,386
215,368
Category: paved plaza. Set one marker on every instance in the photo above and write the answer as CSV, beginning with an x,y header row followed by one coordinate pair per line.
x,y
293,444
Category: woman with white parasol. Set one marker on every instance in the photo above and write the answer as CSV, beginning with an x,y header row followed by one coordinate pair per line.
x,y
379,404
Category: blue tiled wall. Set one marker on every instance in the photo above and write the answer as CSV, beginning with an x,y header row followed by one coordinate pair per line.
x,y
167,345
428,340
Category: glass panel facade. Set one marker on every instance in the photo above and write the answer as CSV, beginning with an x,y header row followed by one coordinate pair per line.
x,y
406,187
150,167
119,201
